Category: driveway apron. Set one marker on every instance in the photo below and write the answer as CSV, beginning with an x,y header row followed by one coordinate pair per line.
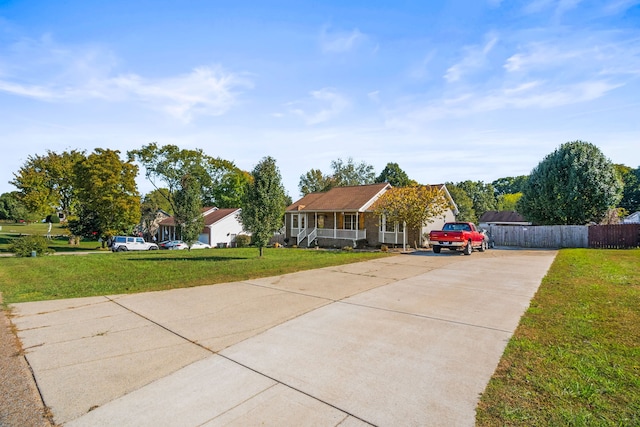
x,y
405,340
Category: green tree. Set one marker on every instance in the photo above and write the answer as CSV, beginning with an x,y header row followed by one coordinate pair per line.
x,y
630,178
413,207
221,182
575,184
109,202
47,183
314,181
509,185
188,215
12,208
464,203
482,195
350,173
394,175
508,202
264,203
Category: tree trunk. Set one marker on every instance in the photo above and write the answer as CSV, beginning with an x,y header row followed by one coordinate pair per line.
x,y
261,251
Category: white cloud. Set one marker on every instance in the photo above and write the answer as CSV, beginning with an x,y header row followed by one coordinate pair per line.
x,y
340,41
474,58
328,100
57,73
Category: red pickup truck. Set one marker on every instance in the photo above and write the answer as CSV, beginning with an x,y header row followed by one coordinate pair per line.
x,y
456,236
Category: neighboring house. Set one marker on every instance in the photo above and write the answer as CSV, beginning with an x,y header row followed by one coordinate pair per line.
x,y
490,218
221,226
151,226
634,218
343,216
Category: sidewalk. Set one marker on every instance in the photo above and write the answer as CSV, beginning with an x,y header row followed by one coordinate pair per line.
x,y
405,340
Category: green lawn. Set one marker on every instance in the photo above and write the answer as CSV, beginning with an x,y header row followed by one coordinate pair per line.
x,y
70,276
59,241
574,360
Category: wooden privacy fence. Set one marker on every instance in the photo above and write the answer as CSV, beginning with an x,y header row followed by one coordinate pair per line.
x,y
622,236
541,236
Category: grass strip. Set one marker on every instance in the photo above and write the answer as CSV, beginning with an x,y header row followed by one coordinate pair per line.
x,y
574,360
72,276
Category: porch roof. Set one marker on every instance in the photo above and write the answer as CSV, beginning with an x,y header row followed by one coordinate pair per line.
x,y
356,198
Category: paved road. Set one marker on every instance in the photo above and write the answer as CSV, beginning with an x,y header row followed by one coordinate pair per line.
x,y
405,340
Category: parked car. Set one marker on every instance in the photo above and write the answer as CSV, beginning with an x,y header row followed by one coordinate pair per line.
x,y
168,244
196,245
130,243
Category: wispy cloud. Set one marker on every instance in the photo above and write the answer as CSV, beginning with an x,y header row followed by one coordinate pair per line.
x,y
66,74
340,41
474,58
321,106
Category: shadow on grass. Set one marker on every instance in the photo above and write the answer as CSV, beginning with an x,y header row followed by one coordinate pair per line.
x,y
201,258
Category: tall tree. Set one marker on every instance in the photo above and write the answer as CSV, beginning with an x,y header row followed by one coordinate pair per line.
x,y
221,182
188,215
394,175
463,202
412,207
46,183
109,202
12,208
314,181
350,173
509,185
573,185
631,188
344,174
482,195
264,203
508,202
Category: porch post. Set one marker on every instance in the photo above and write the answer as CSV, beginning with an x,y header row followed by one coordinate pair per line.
x,y
335,224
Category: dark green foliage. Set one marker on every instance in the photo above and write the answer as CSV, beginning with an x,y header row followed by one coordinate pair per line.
x,y
394,176
344,174
482,196
12,208
243,240
574,185
509,185
53,218
264,203
24,246
188,204
631,192
463,202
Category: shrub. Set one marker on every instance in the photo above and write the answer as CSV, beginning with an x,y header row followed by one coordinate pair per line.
x,y
53,218
24,246
347,248
243,240
384,248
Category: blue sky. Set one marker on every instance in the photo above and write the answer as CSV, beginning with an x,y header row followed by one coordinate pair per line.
x,y
449,90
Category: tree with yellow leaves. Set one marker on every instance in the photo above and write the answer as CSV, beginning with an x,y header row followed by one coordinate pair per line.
x,y
413,207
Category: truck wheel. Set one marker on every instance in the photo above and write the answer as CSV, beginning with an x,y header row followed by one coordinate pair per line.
x,y
483,246
122,248
436,249
468,249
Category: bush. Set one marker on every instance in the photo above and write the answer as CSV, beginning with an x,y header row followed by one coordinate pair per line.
x,y
53,218
243,240
23,246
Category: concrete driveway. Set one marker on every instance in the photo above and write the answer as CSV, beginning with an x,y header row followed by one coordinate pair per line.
x,y
407,340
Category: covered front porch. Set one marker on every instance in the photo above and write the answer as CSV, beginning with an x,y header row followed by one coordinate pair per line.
x,y
309,228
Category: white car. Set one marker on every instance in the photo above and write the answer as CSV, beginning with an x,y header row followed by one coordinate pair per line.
x,y
195,245
130,243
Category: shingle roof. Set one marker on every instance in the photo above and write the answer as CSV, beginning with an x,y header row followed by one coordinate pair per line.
x,y
356,198
211,218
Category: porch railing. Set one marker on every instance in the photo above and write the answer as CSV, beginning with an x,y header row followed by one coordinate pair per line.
x,y
342,234
391,237
301,235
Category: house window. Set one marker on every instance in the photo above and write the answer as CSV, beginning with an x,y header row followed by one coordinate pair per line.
x,y
387,226
350,221
297,221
